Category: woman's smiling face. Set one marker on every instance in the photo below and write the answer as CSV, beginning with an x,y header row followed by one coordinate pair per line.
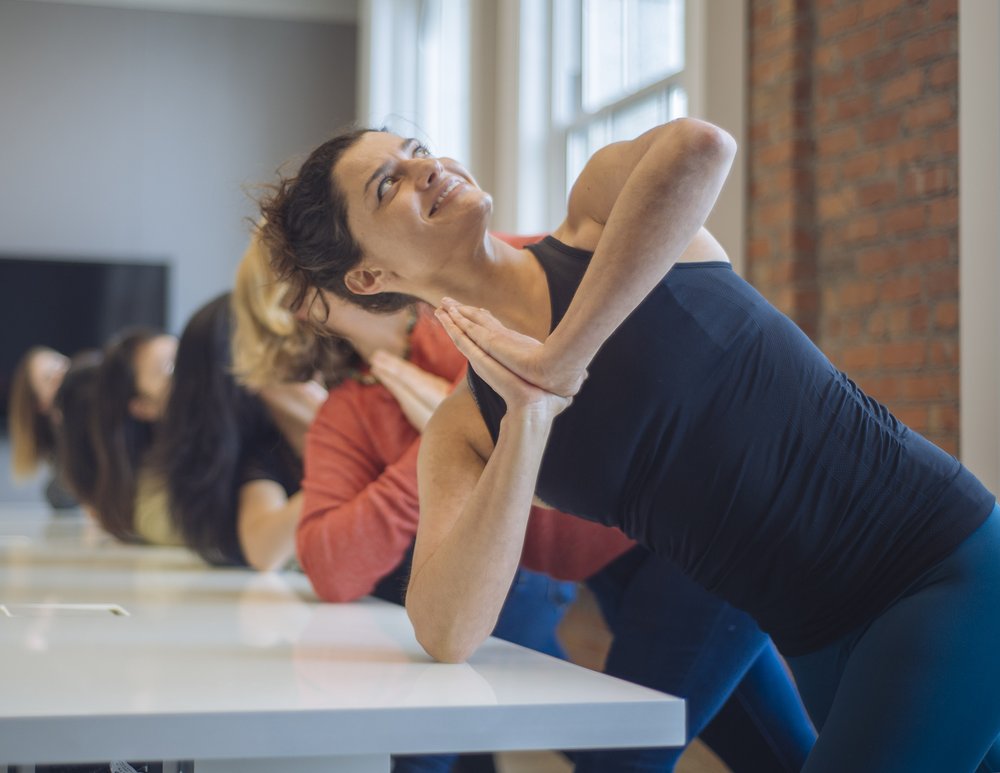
x,y
409,211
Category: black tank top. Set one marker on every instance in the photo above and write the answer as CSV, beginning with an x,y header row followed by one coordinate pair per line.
x,y
712,430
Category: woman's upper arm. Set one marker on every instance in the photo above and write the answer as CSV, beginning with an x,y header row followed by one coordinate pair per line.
x,y
596,190
453,454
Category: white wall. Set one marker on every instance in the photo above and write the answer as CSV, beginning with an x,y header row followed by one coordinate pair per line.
x,y
131,134
979,236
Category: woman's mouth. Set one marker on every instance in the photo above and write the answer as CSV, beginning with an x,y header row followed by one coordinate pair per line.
x,y
443,196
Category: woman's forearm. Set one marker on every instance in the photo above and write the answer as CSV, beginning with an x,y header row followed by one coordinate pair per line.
x,y
459,586
661,207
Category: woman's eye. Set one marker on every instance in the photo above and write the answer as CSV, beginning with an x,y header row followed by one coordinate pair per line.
x,y
421,150
383,186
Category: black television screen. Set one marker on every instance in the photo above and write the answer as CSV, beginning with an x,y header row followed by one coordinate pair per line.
x,y
71,305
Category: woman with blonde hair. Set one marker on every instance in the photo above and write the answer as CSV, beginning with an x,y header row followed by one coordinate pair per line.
x,y
33,387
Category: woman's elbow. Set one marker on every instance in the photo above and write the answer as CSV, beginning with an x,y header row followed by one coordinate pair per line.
x,y
447,644
704,140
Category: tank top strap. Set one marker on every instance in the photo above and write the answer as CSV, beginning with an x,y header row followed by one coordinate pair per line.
x,y
564,267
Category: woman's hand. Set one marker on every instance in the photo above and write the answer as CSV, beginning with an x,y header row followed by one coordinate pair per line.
x,y
525,356
418,392
293,406
467,326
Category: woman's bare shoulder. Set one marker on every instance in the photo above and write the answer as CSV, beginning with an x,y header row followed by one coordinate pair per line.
x,y
458,419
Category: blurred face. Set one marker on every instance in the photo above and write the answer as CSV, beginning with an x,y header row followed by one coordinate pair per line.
x,y
410,212
45,373
154,369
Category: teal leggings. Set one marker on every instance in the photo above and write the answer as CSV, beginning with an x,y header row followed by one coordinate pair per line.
x,y
917,690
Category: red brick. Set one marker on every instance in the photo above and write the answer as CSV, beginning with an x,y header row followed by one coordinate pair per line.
x,y
944,141
882,64
931,112
902,88
838,21
946,315
901,26
913,416
944,73
883,128
859,358
852,295
928,386
933,46
856,44
942,283
918,318
904,288
943,353
944,212
834,84
836,204
874,261
877,193
876,9
862,165
862,228
931,181
837,141
906,218
910,354
852,107
927,249
776,38
942,10
944,418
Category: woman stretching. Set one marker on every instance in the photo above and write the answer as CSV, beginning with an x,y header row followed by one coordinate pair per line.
x,y
709,428
360,516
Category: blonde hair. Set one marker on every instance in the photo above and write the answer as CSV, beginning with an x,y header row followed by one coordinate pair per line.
x,y
269,345
32,438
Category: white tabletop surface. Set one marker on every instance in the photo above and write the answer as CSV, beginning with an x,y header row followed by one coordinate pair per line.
x,y
110,651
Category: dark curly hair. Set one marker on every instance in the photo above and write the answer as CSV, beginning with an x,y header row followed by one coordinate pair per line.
x,y
305,229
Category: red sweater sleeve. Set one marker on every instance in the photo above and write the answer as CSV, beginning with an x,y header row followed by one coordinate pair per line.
x,y
360,503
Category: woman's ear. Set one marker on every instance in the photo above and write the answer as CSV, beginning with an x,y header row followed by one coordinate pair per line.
x,y
364,281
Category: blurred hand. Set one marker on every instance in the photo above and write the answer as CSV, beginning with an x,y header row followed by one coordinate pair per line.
x,y
418,392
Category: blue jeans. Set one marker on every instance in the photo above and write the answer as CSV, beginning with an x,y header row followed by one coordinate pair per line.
x,y
672,635
918,688
529,617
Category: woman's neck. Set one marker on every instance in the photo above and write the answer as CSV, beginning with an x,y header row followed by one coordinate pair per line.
x,y
509,282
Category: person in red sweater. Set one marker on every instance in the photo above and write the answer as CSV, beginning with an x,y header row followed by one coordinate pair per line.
x,y
359,521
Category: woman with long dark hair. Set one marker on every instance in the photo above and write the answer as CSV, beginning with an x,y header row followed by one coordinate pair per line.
x,y
629,376
231,476
133,382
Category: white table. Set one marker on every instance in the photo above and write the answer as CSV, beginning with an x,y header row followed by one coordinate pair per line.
x,y
114,652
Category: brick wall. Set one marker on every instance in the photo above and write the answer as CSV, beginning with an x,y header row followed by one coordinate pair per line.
x,y
853,191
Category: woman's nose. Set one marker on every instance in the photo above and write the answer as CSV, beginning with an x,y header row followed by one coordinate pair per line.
x,y
428,170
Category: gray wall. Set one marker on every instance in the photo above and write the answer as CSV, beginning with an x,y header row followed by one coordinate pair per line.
x,y
131,134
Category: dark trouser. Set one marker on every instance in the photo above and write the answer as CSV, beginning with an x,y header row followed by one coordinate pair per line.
x,y
672,635
917,689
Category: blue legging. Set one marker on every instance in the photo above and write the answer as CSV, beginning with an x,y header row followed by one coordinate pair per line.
x,y
918,688
672,635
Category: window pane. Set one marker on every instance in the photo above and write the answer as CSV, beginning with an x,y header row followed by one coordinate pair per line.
x,y
627,45
657,28
624,124
603,52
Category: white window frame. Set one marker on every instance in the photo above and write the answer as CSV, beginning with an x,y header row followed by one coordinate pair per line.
x,y
530,150
979,237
